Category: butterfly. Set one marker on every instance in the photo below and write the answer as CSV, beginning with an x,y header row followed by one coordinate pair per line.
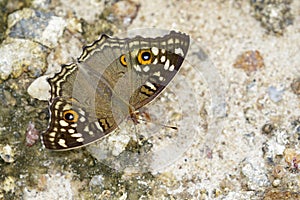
x,y
112,79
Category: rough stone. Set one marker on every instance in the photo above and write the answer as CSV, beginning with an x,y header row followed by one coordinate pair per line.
x,y
41,27
30,56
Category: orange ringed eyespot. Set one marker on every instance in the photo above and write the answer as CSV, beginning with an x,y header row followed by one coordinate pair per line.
x,y
144,57
70,116
123,60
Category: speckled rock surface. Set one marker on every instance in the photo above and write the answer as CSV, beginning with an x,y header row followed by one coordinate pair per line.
x,y
13,63
41,27
242,131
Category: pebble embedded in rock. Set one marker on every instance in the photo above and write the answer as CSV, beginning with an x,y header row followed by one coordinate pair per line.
x,y
7,154
249,61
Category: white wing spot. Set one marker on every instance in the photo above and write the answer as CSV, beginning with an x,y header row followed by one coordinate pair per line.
x,y
52,134
137,68
77,135
86,129
167,65
62,143
98,126
150,85
163,59
156,73
63,123
170,41
67,107
51,139
179,51
91,133
71,131
172,67
81,112
146,68
161,78
80,139
74,125
155,61
57,106
154,51
82,119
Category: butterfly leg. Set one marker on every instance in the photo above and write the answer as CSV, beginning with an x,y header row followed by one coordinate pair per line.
x,y
139,116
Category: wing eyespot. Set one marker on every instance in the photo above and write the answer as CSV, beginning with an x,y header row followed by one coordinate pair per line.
x,y
70,116
145,57
123,60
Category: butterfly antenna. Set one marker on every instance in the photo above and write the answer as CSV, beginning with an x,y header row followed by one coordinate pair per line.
x,y
160,124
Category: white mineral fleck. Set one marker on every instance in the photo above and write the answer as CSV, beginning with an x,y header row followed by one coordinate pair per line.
x,y
7,154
